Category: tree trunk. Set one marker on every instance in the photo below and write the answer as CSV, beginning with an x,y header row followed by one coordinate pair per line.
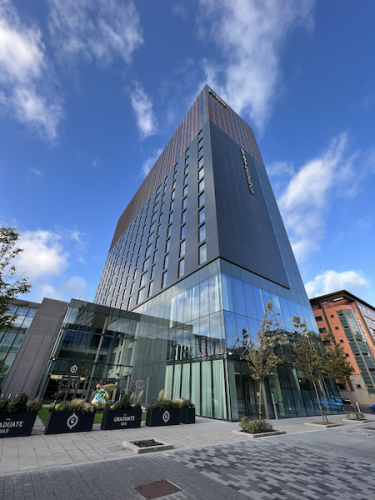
x,y
324,416
260,401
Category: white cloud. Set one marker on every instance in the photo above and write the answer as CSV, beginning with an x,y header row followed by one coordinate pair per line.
x,y
142,106
74,288
306,200
149,163
94,30
280,168
332,281
36,172
251,36
25,76
43,255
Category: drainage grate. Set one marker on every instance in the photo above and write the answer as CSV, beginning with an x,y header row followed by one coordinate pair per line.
x,y
157,490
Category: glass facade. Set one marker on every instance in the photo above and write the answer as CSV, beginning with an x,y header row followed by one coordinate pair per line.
x,y
11,338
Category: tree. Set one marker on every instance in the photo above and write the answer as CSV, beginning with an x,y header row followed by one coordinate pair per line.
x,y
309,359
10,287
338,366
261,356
3,366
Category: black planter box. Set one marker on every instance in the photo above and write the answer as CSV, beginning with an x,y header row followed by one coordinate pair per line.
x,y
121,419
156,417
17,424
61,422
187,416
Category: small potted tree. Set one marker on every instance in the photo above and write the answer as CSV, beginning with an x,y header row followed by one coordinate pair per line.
x,y
123,414
18,415
71,416
164,411
187,412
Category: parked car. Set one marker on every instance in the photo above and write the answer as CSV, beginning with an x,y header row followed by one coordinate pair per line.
x,y
330,402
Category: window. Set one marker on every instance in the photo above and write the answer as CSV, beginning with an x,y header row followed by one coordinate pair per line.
x,y
169,231
168,245
132,288
166,261
129,300
181,268
184,203
200,134
141,295
137,261
201,173
183,232
318,318
164,279
200,163
341,341
187,160
148,251
150,287
150,238
201,186
160,219
332,316
202,233
155,256
200,141
146,264
163,197
152,227
187,152
170,218
358,386
174,185
185,192
154,215
134,274
173,194
152,273
336,327
186,178
143,280
202,254
201,215
186,171
201,200
183,216
322,330
157,242
172,205
182,248
158,231
174,174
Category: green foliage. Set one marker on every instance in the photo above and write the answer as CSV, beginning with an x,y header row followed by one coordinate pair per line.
x,y
348,414
78,405
338,366
3,366
359,416
163,404
255,426
18,404
35,405
9,287
187,403
137,406
261,356
4,404
122,404
309,358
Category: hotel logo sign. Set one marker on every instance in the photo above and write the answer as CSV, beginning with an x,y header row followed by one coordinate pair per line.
x,y
249,183
218,98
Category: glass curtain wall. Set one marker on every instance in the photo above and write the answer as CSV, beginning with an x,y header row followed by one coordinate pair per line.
x,y
11,338
207,314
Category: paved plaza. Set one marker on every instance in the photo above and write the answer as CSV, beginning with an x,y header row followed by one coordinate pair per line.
x,y
209,462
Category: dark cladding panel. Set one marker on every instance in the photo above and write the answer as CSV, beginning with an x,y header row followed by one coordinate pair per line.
x,y
245,230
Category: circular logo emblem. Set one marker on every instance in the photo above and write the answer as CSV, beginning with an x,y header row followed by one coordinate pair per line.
x,y
166,416
73,369
72,421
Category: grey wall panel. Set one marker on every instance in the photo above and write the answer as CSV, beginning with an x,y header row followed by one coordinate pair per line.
x,y
32,358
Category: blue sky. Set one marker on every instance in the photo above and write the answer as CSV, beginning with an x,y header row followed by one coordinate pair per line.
x,y
92,90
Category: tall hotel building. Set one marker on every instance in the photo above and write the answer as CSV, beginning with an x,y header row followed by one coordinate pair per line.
x,y
202,247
